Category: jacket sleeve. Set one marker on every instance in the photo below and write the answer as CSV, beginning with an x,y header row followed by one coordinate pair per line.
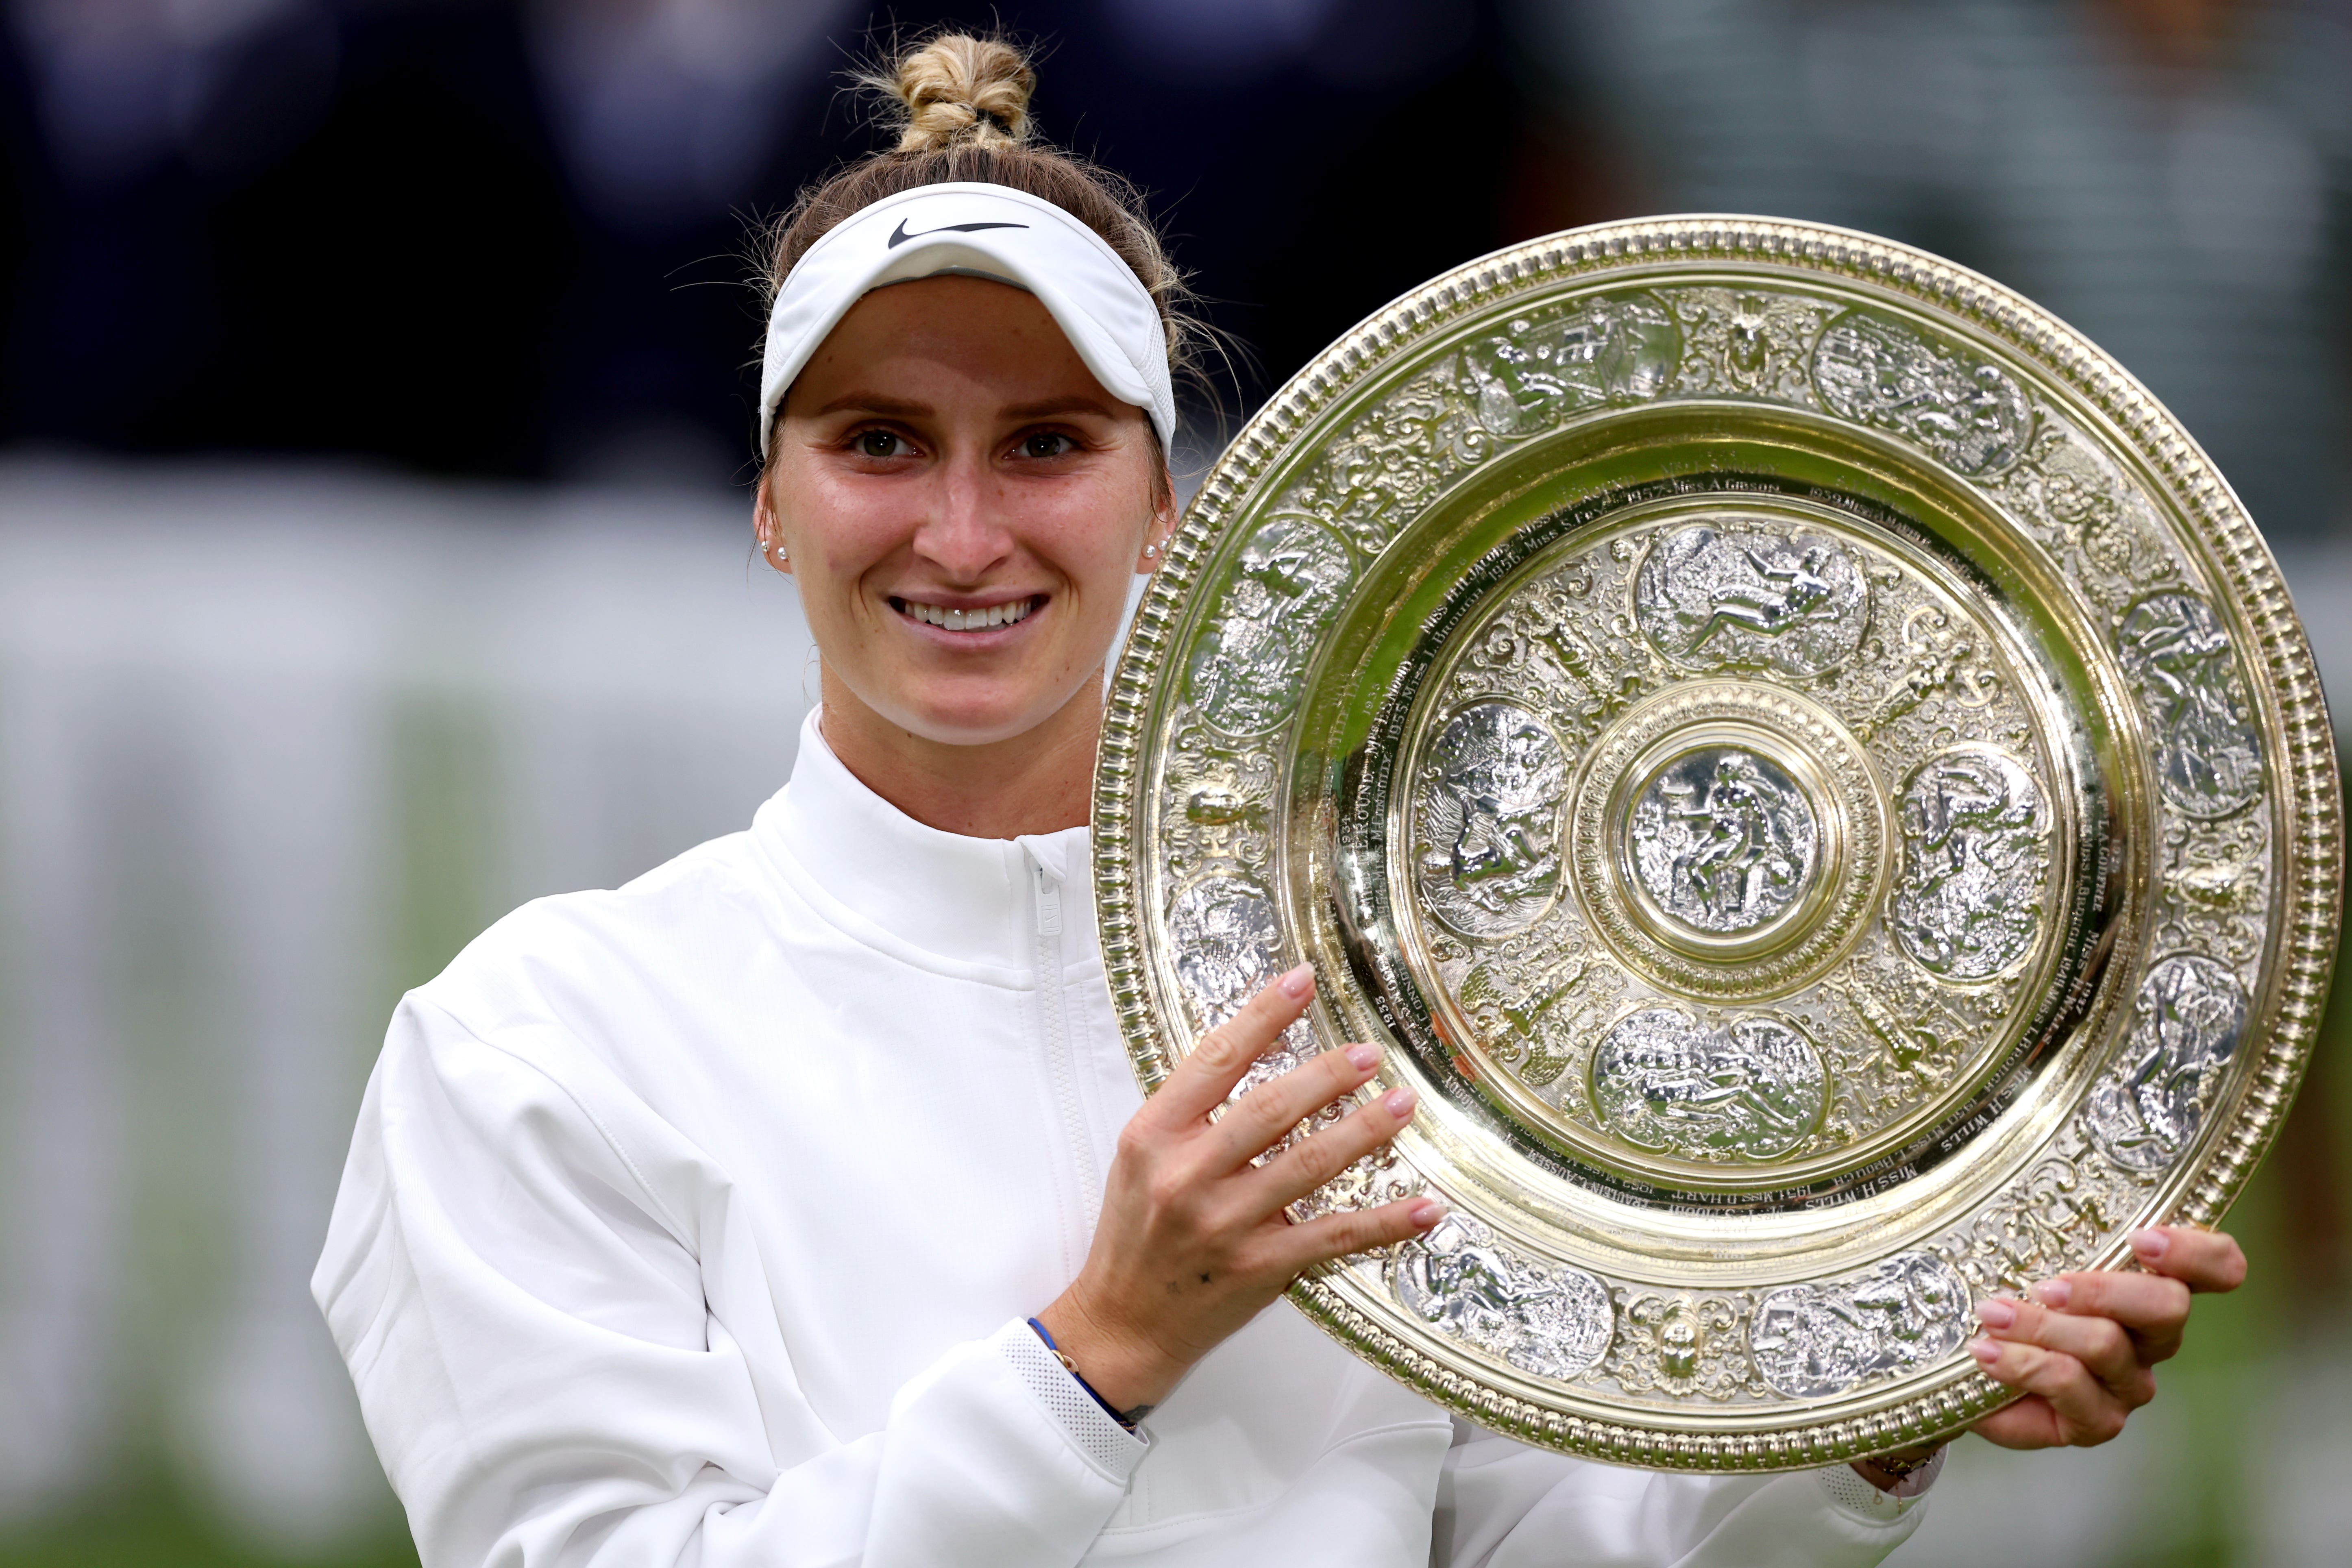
x,y
544,1297
1502,1504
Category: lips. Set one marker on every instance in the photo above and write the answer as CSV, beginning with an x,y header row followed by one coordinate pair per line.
x,y
972,618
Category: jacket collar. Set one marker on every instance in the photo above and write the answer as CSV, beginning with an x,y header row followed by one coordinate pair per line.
x,y
965,900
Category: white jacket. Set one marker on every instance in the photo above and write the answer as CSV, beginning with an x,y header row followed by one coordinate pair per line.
x,y
697,1223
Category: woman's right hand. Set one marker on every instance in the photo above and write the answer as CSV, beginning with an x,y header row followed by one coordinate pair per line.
x,y
1193,1241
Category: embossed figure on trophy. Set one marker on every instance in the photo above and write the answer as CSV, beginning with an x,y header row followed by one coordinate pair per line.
x,y
2209,758
1473,1290
2219,885
1223,932
1813,1341
1244,671
1783,597
1518,388
1909,1042
1938,657
1978,416
1689,1346
1614,349
1909,1309
1552,1321
1745,857
1880,372
1723,841
1745,345
1521,1007
1975,861
1746,342
2191,1011
1723,596
1501,837
1749,1090
1490,819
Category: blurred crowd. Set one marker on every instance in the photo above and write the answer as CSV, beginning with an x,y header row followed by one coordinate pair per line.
x,y
360,360
481,236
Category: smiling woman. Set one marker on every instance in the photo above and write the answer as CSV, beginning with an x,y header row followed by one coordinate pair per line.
x,y
794,1203
963,505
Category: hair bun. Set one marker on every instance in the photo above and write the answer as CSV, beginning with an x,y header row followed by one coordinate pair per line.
x,y
958,88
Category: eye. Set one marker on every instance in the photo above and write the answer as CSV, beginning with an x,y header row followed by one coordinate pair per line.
x,y
880,442
1046,444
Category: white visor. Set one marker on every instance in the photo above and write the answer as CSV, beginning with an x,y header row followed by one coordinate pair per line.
x,y
988,231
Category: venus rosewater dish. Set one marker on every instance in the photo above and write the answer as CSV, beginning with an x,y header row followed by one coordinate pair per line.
x,y
1809,771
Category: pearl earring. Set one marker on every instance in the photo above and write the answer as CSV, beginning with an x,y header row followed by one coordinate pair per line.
x,y
778,552
1150,551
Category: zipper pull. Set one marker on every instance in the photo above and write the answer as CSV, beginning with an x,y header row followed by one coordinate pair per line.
x,y
1049,902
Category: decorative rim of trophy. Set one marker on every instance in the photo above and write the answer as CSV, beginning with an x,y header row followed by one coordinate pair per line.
x,y
1802,763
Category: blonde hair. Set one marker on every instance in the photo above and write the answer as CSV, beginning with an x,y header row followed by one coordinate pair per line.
x,y
957,84
961,107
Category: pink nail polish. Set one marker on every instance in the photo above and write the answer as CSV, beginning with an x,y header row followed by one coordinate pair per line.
x,y
1427,1212
2150,1244
1363,1058
1401,1103
2054,1293
1985,1351
1995,1314
1299,984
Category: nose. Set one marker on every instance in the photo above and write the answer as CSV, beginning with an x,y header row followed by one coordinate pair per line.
x,y
966,531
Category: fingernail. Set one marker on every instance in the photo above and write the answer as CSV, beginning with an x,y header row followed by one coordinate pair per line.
x,y
1363,1058
1995,1314
1427,1212
1400,1102
1985,1351
2053,1292
2150,1244
1299,984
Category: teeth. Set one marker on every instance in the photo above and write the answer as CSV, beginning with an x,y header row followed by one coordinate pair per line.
x,y
993,616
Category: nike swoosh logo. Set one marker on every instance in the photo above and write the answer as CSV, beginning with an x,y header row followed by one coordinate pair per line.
x,y
899,236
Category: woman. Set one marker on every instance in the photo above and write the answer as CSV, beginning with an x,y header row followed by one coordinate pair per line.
x,y
793,1203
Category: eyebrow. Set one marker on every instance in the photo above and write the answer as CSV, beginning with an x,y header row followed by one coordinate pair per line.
x,y
900,407
875,403
1052,405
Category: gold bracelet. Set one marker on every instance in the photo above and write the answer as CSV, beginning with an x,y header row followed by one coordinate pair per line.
x,y
1127,1418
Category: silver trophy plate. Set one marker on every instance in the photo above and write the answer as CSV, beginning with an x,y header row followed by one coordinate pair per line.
x,y
1806,768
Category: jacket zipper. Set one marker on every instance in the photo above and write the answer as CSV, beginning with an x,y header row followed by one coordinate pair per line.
x,y
1057,1047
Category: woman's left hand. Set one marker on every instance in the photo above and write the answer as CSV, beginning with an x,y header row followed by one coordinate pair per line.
x,y
2084,1347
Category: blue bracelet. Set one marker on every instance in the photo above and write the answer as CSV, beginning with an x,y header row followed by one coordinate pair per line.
x,y
1127,1418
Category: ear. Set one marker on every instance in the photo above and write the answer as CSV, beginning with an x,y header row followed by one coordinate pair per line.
x,y
1163,527
768,531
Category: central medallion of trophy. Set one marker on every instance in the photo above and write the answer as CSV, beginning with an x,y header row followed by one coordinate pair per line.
x,y
1729,842
1722,842
1726,838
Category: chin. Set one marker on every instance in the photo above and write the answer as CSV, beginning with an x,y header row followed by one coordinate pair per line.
x,y
975,724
